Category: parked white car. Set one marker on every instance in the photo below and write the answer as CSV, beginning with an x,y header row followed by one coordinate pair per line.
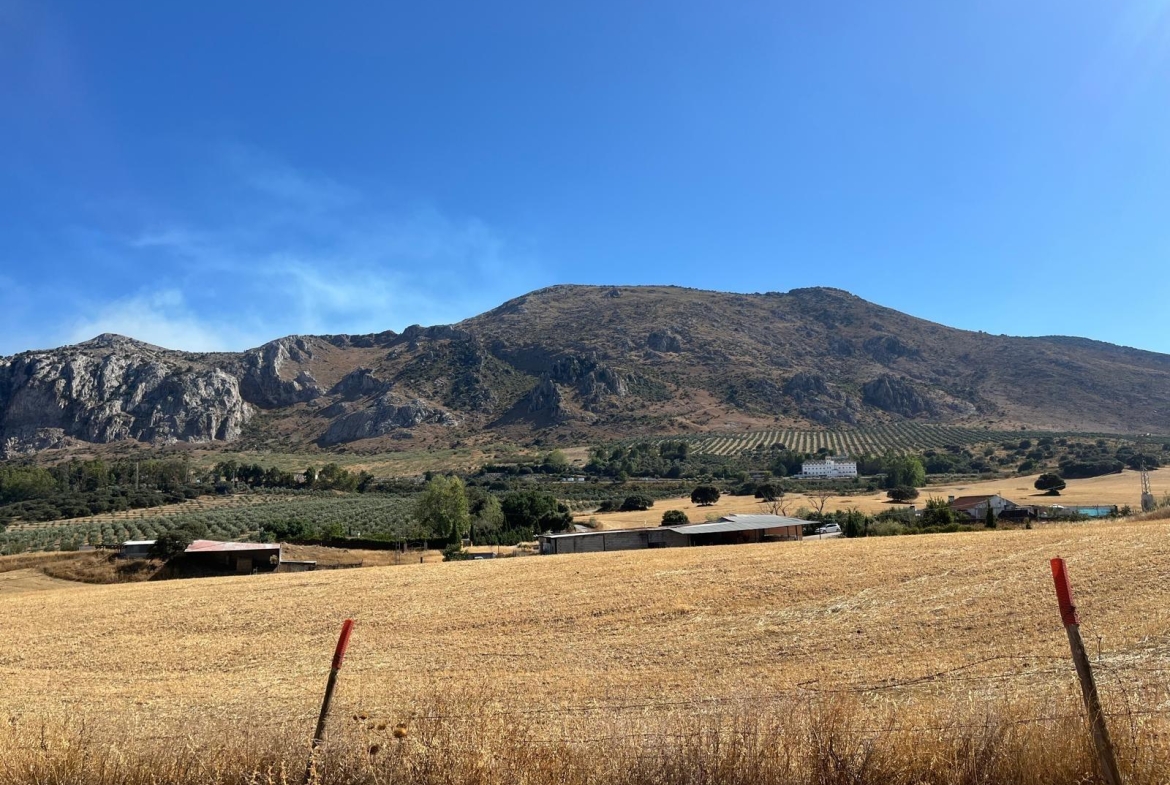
x,y
829,528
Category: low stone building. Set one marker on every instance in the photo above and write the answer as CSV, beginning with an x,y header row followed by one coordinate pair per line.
x,y
242,558
729,530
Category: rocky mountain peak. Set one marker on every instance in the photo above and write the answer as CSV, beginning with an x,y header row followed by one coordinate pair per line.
x,y
585,363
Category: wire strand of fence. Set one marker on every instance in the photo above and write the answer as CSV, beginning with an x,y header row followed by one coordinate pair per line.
x,y
802,689
957,674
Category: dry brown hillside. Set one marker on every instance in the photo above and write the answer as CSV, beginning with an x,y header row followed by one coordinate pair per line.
x,y
585,363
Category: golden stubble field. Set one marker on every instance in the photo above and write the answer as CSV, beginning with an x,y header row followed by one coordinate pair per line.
x,y
1113,489
550,633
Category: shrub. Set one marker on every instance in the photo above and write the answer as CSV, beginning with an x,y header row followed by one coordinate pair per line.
x,y
674,518
886,529
705,495
1139,462
171,544
768,491
937,513
903,493
1053,483
636,502
455,552
1079,470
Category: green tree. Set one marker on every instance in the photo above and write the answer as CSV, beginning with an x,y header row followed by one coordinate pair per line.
x,y
556,462
636,502
227,470
487,516
903,493
854,523
705,495
904,471
170,544
1138,462
442,507
333,477
989,518
1052,484
768,491
938,512
535,511
21,483
674,518
455,552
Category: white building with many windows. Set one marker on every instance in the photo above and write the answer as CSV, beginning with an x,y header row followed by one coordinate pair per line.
x,y
829,468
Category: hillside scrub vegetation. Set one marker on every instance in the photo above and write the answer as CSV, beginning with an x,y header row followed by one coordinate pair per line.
x,y
568,364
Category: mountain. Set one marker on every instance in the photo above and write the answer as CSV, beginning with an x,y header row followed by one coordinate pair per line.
x,y
582,363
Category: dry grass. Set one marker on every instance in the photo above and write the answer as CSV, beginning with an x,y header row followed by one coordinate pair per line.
x,y
29,580
1113,489
24,561
347,557
102,567
934,659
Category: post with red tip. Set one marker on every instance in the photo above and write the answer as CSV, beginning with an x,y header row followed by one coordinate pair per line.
x,y
338,657
1072,625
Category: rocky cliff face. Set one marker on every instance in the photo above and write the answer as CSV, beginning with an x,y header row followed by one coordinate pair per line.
x,y
113,388
389,414
584,364
273,375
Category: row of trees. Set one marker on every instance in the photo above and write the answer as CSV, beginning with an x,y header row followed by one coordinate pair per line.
x,y
76,488
26,481
451,510
331,477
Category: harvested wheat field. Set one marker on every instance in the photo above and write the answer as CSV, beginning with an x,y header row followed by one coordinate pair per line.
x,y
30,580
892,660
1112,489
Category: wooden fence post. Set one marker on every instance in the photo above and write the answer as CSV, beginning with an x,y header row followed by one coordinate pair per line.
x,y
338,657
1072,625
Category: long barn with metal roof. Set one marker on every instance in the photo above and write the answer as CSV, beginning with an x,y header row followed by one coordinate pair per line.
x,y
729,530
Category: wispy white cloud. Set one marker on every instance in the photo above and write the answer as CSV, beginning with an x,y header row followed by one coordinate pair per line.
x,y
162,318
272,251
300,253
166,237
277,180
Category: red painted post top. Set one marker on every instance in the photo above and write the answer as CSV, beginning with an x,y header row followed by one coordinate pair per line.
x,y
342,643
1064,595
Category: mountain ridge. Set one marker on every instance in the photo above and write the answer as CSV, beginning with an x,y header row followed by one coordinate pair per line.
x,y
576,362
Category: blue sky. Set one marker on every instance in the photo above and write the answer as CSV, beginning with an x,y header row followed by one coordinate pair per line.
x,y
213,175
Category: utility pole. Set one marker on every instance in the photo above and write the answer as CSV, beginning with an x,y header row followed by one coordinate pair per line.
x,y
1148,502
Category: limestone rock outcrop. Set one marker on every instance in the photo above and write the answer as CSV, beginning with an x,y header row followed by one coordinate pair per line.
x,y
113,388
